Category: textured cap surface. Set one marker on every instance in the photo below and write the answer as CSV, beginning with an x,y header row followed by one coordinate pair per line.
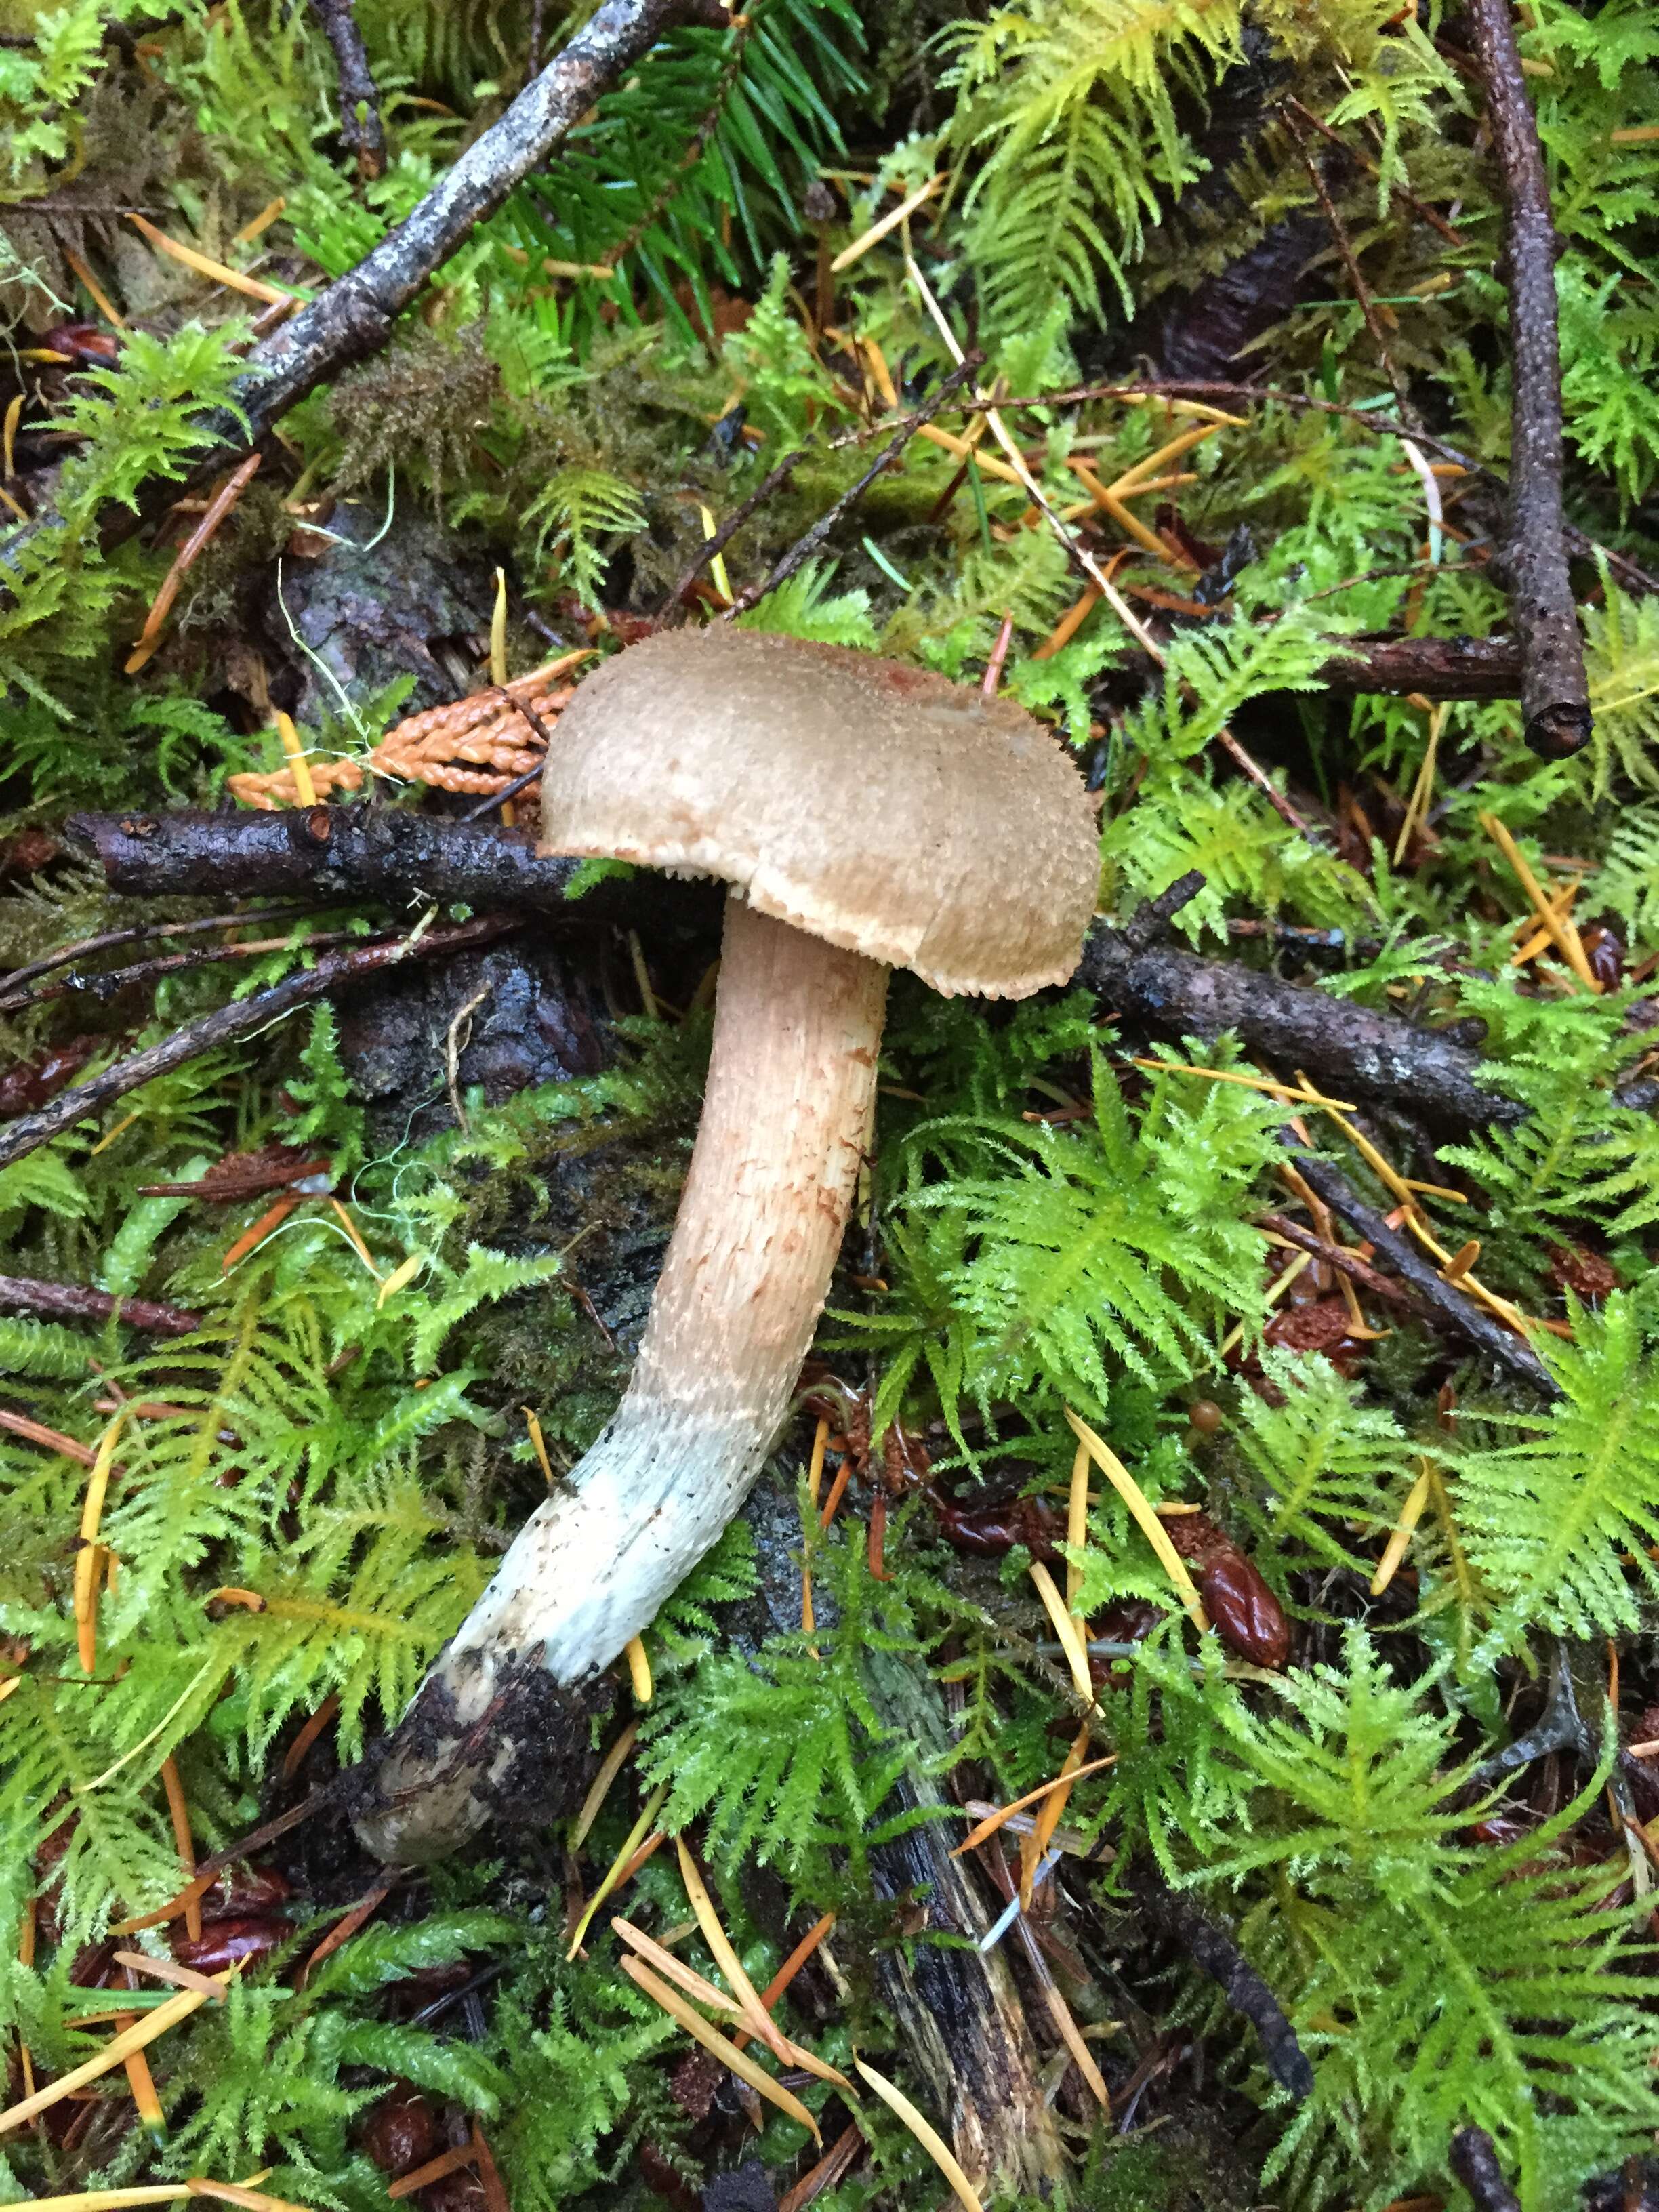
x,y
880,807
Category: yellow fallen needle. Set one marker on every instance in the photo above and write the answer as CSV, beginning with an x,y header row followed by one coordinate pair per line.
x,y
118,2049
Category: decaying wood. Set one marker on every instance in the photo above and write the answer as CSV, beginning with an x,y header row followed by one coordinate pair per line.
x,y
958,2011
1554,691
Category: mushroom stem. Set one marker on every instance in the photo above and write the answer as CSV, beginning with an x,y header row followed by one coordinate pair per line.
x,y
786,1115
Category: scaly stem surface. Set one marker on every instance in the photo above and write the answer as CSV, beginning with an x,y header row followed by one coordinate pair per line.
x,y
500,1723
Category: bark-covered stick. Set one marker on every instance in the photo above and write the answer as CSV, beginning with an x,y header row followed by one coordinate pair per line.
x,y
1373,1056
80,1302
1554,693
359,99
353,853
230,1024
1450,1307
354,316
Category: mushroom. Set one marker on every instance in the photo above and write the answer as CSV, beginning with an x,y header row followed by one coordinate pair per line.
x,y
867,816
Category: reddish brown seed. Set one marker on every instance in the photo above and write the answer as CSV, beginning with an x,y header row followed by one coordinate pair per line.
x,y
401,2131
82,342
991,1531
242,1890
223,1942
1247,1615
1575,1268
1205,1416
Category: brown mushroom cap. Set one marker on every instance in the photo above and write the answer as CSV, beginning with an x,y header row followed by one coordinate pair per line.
x,y
879,806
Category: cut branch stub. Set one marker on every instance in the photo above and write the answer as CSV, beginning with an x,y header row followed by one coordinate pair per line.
x,y
868,816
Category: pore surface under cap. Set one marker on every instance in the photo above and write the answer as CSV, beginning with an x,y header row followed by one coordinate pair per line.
x,y
881,807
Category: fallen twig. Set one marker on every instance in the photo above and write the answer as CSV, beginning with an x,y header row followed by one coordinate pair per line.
x,y
350,852
1214,1951
1474,2161
712,548
359,99
1336,1255
15,996
808,543
79,1301
230,1024
354,316
1555,692
1370,1056
346,853
1435,667
1448,1305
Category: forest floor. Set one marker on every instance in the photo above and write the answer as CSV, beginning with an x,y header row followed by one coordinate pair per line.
x,y
1175,1725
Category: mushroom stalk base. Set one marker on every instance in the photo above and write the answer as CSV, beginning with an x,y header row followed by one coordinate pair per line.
x,y
500,1723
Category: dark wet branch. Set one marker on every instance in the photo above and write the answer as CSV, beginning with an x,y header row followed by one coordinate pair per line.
x,y
1357,1054
1449,1307
74,1302
355,853
354,316
1214,1951
1554,691
230,1024
1436,667
1474,2161
348,853
359,98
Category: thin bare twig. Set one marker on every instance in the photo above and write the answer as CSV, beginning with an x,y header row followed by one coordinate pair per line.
x,y
1554,690
1451,1306
74,1302
1350,262
359,98
1336,1255
230,1024
14,997
809,542
1436,222
712,547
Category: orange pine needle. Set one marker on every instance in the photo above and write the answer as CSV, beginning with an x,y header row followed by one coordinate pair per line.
x,y
294,1757
204,266
1064,1780
99,299
270,1218
178,1813
217,508
344,1929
